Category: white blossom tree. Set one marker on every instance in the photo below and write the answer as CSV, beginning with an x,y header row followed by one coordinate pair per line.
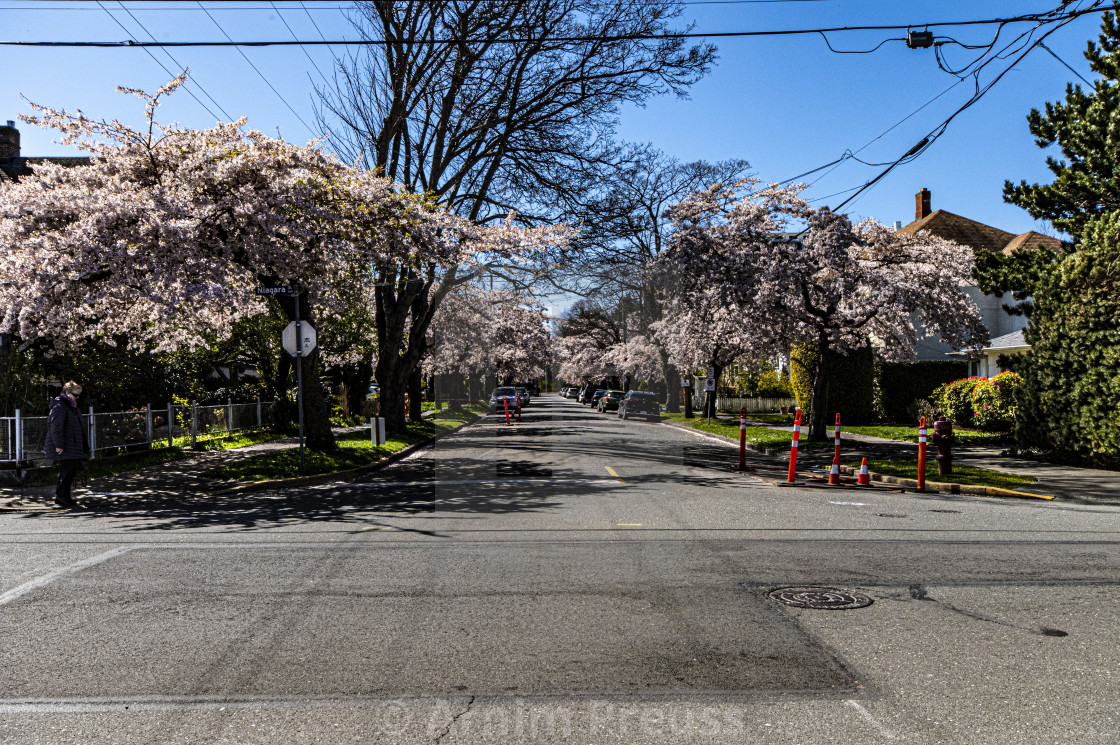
x,y
809,275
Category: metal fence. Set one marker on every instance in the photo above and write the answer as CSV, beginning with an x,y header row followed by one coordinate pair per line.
x,y
752,405
22,438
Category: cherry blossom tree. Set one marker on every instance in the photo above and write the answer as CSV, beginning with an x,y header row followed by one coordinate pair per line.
x,y
807,274
481,334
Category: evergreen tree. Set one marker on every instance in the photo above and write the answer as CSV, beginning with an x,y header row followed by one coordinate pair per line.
x,y
1070,397
1087,129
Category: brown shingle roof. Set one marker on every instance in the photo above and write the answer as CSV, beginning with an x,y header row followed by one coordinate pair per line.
x,y
1032,240
960,230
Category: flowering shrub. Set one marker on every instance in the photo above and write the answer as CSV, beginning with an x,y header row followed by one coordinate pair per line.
x,y
993,401
955,400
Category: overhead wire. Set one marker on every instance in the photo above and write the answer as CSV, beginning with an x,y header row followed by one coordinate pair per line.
x,y
194,82
1049,16
302,47
257,70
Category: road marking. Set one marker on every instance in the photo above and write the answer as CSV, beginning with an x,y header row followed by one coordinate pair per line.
x,y
870,719
850,504
629,525
612,473
46,579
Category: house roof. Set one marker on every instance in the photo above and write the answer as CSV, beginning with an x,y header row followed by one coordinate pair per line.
x,y
1031,239
1014,340
953,227
13,168
977,235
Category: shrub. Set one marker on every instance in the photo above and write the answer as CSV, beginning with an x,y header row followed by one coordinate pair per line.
x,y
802,371
922,407
955,400
993,402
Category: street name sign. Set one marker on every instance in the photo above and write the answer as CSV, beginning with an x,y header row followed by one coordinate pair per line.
x,y
291,346
275,290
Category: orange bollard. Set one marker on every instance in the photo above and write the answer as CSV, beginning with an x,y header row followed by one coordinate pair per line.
x,y
836,442
505,405
519,409
793,449
922,455
864,476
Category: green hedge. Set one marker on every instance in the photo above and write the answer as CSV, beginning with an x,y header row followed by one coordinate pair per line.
x,y
851,391
899,384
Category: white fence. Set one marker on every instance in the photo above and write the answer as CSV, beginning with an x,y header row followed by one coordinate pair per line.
x,y
22,438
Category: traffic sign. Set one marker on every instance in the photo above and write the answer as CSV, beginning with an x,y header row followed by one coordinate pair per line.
x,y
291,346
711,372
275,290
710,384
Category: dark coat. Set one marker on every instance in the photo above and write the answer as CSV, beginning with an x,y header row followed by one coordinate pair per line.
x,y
65,430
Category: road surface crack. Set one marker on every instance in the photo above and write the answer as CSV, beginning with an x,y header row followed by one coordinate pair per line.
x,y
454,719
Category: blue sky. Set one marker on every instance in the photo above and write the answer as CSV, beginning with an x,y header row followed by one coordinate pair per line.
x,y
786,104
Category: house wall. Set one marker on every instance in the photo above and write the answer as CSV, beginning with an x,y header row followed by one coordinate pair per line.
x,y
995,318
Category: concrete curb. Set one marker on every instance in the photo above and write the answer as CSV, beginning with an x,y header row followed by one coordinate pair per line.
x,y
326,478
945,488
931,486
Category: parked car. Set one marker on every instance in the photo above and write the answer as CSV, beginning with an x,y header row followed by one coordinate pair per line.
x,y
497,404
609,401
523,394
585,394
593,402
639,403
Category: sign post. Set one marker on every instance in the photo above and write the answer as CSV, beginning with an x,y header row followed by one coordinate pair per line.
x,y
709,391
686,386
298,340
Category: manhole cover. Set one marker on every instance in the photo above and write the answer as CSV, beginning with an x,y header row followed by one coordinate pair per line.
x,y
820,598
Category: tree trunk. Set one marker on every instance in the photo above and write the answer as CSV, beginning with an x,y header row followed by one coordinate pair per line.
x,y
819,406
673,386
710,397
416,396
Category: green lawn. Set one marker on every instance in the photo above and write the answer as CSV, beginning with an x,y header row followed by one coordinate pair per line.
x,y
758,436
354,451
908,469
905,433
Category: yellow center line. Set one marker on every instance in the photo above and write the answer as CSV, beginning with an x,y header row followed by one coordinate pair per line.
x,y
612,473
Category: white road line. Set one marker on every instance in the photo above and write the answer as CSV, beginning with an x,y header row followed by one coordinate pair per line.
x,y
870,719
77,566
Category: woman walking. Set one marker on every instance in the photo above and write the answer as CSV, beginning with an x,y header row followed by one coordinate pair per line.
x,y
66,441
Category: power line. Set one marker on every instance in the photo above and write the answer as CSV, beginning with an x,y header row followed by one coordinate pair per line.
x,y
174,61
266,81
302,48
1055,56
1048,17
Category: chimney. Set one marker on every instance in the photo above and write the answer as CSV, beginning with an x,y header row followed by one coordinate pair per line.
x,y
897,225
921,204
9,141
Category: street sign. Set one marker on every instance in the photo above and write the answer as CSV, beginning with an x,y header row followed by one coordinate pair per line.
x,y
711,372
291,346
710,384
275,290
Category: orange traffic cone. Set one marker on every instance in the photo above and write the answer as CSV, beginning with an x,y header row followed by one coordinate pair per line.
x,y
834,474
864,476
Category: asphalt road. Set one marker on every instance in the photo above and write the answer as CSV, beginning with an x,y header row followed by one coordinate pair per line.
x,y
572,578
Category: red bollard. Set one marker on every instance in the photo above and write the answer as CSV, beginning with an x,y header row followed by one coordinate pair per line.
x,y
519,409
793,449
742,438
505,405
922,455
834,473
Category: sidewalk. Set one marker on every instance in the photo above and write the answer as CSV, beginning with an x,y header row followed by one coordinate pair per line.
x,y
1067,483
175,480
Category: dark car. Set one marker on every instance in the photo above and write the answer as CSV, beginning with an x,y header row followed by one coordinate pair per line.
x,y
523,394
639,403
585,394
609,401
497,405
593,402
